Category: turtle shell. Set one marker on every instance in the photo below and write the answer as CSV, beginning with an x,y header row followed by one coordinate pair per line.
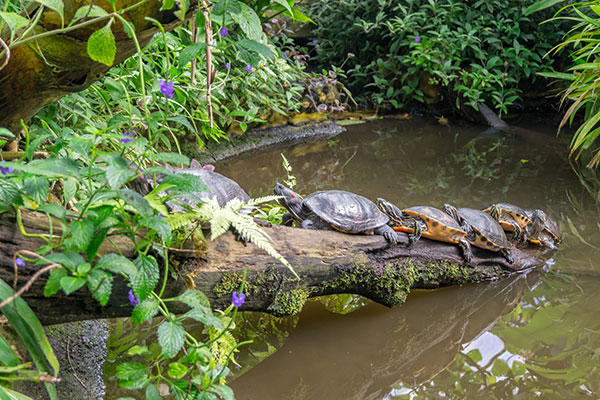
x,y
550,228
517,213
219,186
345,211
489,234
440,226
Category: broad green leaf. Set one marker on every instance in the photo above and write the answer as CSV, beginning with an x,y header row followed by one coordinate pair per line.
x,y
88,12
70,284
180,119
190,52
81,234
14,22
67,258
56,5
101,45
9,193
96,242
177,370
147,276
100,285
152,393
284,4
475,355
130,371
185,183
256,47
500,368
7,394
160,226
171,337
136,201
137,349
30,331
69,189
52,167
223,392
81,145
117,264
540,5
118,172
53,283
204,315
172,158
144,311
193,298
53,209
248,21
167,4
3,131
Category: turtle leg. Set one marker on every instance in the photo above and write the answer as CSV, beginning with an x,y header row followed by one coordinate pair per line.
x,y
466,248
387,232
518,233
287,219
506,253
315,224
416,235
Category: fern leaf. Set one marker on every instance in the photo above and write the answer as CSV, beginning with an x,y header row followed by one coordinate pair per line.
x,y
264,199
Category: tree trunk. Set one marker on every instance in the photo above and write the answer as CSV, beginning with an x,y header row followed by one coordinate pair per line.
x,y
327,262
42,71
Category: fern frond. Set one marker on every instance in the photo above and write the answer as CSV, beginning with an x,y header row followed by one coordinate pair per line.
x,y
179,220
264,199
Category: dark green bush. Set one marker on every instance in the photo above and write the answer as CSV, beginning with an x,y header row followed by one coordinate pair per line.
x,y
482,51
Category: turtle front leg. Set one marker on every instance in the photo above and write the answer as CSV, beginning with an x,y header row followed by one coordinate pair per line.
x,y
518,234
287,219
506,253
466,248
416,235
388,233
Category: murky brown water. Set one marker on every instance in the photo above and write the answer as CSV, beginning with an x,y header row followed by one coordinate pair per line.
x,y
534,335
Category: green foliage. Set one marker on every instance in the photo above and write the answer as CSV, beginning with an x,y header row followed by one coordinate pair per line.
x,y
473,52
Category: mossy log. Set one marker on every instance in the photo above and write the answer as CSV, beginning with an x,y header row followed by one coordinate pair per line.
x,y
326,262
42,71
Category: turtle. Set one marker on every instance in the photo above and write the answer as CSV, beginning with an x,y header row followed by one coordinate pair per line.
x,y
511,218
544,230
483,231
429,222
335,209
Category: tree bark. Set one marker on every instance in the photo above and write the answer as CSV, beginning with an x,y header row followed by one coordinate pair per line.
x,y
42,71
327,262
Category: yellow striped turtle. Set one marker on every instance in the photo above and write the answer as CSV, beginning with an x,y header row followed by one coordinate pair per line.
x,y
511,218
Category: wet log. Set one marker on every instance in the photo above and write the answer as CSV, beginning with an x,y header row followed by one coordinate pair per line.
x,y
42,71
326,262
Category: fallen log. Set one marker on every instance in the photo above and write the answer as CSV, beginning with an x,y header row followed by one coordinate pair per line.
x,y
327,262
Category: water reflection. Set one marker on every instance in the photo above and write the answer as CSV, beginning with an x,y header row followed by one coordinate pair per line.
x,y
362,354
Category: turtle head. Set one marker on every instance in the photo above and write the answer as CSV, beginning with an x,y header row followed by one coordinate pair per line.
x,y
538,221
389,209
291,200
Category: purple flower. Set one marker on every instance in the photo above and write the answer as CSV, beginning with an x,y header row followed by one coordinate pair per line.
x,y
178,4
285,55
238,300
6,170
167,88
248,67
227,65
133,299
224,31
20,262
314,41
417,39
127,137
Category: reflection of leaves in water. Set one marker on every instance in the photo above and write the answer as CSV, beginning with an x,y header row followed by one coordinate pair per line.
x,y
343,303
550,347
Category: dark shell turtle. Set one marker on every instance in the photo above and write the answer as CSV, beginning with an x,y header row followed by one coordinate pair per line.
x,y
429,222
483,231
511,218
544,230
336,209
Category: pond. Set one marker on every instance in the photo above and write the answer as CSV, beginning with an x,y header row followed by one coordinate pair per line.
x,y
532,335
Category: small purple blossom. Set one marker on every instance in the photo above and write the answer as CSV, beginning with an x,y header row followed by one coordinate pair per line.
x,y
133,299
314,41
248,67
127,137
417,39
227,66
178,4
285,55
20,262
238,300
167,88
224,31
6,170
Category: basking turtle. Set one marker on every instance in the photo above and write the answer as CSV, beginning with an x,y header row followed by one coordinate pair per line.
x,y
511,218
427,221
482,230
544,230
336,209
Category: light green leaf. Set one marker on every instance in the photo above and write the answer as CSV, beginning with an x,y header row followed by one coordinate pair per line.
x,y
171,337
7,354
147,276
56,5
53,283
144,311
160,226
248,22
540,5
9,193
167,5
54,209
500,368
256,47
191,52
101,46
131,371
70,284
68,258
14,22
204,315
118,172
117,264
172,158
88,12
81,233
100,285
177,370
193,298
152,393
69,189
135,200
